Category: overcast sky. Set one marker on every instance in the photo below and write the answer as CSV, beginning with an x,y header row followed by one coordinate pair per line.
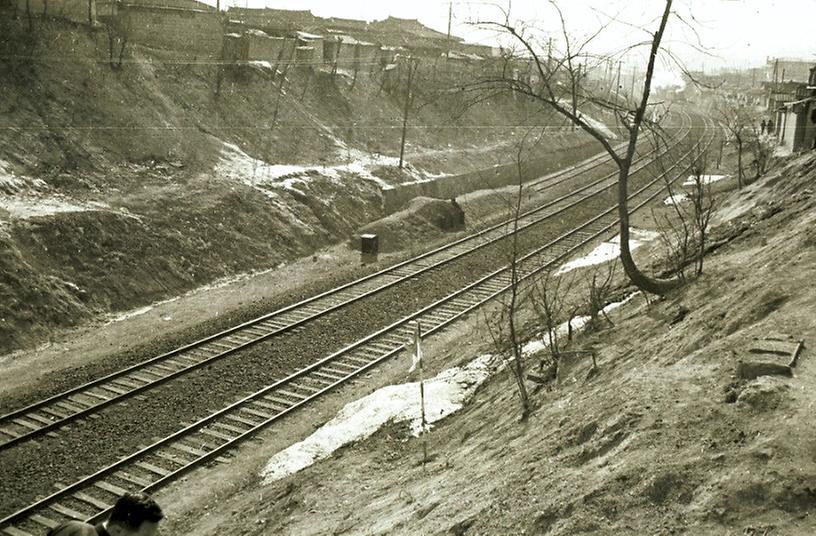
x,y
734,32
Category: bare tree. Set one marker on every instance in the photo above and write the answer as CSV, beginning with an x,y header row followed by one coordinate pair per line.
x,y
548,298
600,287
762,151
703,203
684,232
547,88
506,330
738,121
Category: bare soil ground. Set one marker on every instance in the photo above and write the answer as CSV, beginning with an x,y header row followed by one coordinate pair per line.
x,y
663,439
122,187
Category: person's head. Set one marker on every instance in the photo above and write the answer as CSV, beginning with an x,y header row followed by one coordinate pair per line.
x,y
134,514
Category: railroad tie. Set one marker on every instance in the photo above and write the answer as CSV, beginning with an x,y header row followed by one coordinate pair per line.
x,y
66,511
13,531
93,501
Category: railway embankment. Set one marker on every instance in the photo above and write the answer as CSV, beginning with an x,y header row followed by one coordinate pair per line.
x,y
122,187
672,433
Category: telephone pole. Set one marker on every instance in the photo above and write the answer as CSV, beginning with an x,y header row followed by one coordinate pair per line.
x,y
450,16
412,66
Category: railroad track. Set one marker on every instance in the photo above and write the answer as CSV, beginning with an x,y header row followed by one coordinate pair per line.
x,y
209,438
47,415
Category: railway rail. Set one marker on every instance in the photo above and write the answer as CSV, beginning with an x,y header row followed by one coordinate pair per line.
x,y
46,416
209,438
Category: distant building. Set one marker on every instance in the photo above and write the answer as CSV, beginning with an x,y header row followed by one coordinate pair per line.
x,y
796,119
788,69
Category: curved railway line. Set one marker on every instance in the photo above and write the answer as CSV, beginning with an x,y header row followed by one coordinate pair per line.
x,y
47,415
209,438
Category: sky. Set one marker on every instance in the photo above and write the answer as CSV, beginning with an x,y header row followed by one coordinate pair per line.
x,y
731,32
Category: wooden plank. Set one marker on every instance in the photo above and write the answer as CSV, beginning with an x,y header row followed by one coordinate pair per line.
x,y
83,403
261,414
93,501
39,418
112,389
94,394
14,531
189,450
304,387
229,427
327,376
242,420
141,378
273,407
153,468
11,433
69,407
297,396
174,458
166,368
219,435
127,477
110,488
58,414
44,521
282,401
66,511
26,424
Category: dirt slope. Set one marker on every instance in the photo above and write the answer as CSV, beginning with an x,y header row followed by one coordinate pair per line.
x,y
664,439
120,187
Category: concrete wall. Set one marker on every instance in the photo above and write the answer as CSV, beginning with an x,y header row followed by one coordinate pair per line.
x,y
267,47
193,33
306,56
574,148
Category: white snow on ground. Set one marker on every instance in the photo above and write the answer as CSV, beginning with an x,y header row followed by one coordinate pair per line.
x,y
445,393
30,207
608,251
235,164
594,123
537,345
676,199
707,179
12,183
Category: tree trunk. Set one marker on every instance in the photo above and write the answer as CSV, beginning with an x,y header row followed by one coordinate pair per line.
x,y
739,162
640,280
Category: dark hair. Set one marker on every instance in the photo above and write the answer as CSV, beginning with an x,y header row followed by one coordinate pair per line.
x,y
133,509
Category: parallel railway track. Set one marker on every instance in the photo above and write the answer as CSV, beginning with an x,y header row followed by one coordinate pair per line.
x,y
45,416
209,438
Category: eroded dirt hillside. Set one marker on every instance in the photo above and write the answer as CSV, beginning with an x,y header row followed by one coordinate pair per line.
x,y
123,186
664,438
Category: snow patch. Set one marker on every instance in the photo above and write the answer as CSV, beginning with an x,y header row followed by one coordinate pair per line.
x,y
706,179
445,393
537,345
11,183
236,165
608,251
594,123
676,199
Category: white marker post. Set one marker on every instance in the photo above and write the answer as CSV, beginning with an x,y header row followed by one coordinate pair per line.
x,y
416,361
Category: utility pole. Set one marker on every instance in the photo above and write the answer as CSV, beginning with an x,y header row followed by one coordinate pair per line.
x,y
450,16
411,68
632,90
617,84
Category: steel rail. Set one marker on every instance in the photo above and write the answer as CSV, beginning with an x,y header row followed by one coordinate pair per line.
x,y
209,438
54,412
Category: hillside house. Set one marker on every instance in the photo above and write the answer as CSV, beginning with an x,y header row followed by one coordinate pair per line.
x,y
796,120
